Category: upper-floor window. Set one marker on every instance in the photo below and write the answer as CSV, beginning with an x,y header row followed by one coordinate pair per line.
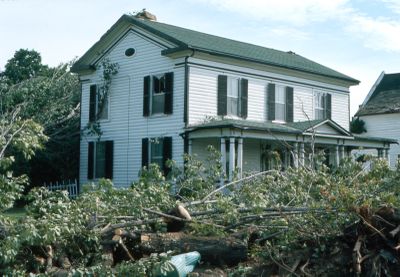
x,y
232,96
279,103
158,94
322,105
98,105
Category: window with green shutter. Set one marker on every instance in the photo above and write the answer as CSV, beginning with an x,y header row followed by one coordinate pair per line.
x,y
98,108
157,151
158,94
100,159
232,96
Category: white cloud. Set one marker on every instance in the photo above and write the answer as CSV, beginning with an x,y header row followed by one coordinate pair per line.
x,y
394,5
293,33
376,33
287,11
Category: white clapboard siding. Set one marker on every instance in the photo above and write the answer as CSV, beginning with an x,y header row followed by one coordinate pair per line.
x,y
202,94
200,146
302,104
340,109
203,98
126,125
257,94
388,126
251,155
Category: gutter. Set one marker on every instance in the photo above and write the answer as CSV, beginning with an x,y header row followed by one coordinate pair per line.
x,y
189,47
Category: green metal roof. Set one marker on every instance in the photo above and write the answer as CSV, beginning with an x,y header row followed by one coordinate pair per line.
x,y
246,125
380,139
188,39
209,43
305,125
292,128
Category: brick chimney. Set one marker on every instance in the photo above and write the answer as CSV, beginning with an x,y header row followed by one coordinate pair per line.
x,y
146,15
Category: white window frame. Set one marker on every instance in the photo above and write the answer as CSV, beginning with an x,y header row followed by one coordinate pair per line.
x,y
319,104
95,159
97,103
233,93
153,93
152,143
280,89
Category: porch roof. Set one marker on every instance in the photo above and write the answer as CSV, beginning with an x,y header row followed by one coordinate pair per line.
x,y
295,128
246,125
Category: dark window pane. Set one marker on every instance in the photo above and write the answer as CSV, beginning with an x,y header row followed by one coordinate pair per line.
x,y
100,159
158,103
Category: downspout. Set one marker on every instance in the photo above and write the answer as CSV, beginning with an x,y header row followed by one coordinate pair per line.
x,y
80,134
186,102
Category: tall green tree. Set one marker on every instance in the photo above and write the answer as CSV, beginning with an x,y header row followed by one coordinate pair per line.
x,y
25,64
50,97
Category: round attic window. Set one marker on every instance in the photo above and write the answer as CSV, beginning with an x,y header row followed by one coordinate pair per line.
x,y
129,52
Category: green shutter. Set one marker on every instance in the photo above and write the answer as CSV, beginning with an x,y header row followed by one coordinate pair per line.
x,y
167,153
243,97
222,94
328,106
145,152
271,101
109,159
90,160
146,96
92,103
289,104
169,89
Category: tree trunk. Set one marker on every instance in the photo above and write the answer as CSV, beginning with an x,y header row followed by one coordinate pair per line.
x,y
214,250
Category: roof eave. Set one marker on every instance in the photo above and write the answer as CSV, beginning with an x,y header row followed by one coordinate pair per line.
x,y
175,50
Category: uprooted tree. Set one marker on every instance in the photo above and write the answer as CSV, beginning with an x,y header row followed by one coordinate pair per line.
x,y
302,221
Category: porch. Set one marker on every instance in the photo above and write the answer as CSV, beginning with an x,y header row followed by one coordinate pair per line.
x,y
257,146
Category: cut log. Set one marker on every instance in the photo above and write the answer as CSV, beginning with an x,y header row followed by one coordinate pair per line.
x,y
213,250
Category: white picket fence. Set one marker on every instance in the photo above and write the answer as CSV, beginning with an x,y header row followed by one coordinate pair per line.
x,y
70,185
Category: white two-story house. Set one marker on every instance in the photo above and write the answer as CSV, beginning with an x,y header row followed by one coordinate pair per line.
x,y
178,91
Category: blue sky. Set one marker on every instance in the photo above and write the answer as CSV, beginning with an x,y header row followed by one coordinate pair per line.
x,y
360,38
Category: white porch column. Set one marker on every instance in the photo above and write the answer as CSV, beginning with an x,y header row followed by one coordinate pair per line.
x,y
380,152
337,158
341,152
386,154
231,157
223,159
190,151
302,154
240,157
296,154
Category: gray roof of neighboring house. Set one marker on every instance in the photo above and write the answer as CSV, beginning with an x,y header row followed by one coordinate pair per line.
x,y
189,39
385,98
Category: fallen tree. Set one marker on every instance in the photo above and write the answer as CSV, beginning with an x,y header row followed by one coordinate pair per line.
x,y
300,222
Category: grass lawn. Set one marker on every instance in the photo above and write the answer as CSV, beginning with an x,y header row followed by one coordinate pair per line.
x,y
16,212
